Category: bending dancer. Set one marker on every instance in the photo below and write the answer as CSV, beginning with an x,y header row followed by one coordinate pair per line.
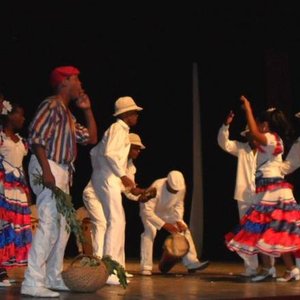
x,y
166,211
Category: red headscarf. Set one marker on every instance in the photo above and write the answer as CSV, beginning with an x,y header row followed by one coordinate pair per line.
x,y
59,74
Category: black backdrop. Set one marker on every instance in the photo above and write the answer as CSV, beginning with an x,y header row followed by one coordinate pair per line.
x,y
147,53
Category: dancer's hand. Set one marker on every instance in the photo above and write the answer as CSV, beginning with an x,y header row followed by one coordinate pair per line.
x,y
181,226
147,194
229,118
245,103
83,101
170,227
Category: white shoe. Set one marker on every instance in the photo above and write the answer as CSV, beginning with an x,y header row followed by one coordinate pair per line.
x,y
265,273
290,275
58,287
128,275
5,282
38,291
113,280
146,272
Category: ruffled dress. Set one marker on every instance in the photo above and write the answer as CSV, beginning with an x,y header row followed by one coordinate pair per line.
x,y
272,225
15,224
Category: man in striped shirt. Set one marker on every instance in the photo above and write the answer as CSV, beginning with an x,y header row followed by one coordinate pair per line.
x,y
53,135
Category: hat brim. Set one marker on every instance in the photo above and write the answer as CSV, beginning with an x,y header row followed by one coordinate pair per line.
x,y
138,144
132,108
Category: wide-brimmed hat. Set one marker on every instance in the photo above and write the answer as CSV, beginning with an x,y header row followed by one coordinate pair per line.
x,y
245,131
176,180
59,74
136,140
124,104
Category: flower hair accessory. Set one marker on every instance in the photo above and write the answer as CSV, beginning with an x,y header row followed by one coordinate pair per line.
x,y
271,109
5,107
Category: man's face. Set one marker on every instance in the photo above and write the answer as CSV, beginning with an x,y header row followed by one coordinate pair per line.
x,y
134,151
73,84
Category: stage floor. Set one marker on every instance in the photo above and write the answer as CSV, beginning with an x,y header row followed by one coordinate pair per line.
x,y
219,281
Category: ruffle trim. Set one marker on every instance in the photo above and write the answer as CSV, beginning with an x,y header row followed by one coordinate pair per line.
x,y
14,212
270,229
14,246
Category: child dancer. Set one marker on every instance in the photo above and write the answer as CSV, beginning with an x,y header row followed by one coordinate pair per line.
x,y
15,225
270,227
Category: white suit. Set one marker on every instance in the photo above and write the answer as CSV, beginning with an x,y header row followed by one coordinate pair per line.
x,y
245,179
166,207
50,239
96,213
109,161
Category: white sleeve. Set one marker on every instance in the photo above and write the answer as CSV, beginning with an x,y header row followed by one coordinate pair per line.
x,y
225,143
292,161
114,149
148,210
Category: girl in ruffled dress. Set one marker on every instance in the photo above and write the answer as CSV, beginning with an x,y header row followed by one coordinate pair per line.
x,y
271,226
15,224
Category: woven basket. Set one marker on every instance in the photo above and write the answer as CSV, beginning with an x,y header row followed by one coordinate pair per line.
x,y
85,278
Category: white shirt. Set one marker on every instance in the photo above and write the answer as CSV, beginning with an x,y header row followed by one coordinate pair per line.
x,y
292,161
246,165
268,163
109,157
165,204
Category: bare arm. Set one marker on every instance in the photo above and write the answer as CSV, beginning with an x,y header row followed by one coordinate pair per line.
x,y
254,130
84,103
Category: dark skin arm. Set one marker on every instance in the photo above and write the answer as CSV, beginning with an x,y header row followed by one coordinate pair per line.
x,y
84,103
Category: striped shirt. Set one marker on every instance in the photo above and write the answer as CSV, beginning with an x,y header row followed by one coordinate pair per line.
x,y
55,128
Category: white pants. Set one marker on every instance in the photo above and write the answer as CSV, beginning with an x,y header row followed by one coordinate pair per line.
x,y
190,260
250,261
45,261
96,214
109,194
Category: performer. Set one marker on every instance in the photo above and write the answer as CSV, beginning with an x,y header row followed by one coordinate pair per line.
x,y
166,211
94,206
244,193
15,224
53,134
109,159
270,227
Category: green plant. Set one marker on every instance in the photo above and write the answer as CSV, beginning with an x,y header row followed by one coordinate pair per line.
x,y
65,207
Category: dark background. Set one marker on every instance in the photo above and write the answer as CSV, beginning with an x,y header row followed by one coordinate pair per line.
x,y
147,52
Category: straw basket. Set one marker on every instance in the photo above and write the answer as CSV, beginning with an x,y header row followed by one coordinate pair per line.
x,y
85,278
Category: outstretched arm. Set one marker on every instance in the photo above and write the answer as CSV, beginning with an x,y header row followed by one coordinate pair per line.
x,y
254,130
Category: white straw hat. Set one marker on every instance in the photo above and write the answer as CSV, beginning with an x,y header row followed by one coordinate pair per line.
x,y
244,132
124,104
176,180
136,140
